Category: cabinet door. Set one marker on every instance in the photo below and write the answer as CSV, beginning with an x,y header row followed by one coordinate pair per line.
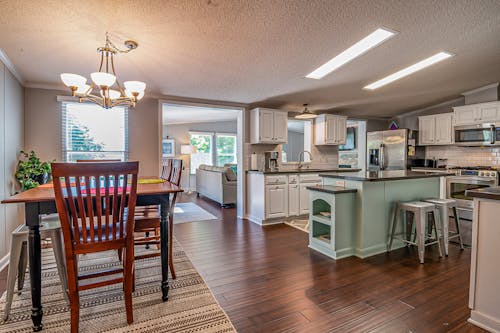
x,y
266,127
304,199
331,129
466,115
280,127
276,201
341,130
427,130
489,112
293,200
444,129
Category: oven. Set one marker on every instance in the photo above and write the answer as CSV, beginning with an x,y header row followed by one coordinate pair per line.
x,y
477,135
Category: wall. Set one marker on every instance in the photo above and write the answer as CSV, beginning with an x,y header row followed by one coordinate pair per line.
x,y
43,128
12,141
180,132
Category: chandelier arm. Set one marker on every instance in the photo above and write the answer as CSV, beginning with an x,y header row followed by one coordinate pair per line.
x,y
102,60
114,73
115,48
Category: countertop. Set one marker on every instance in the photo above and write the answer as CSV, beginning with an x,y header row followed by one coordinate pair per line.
x,y
492,193
332,189
304,171
438,170
380,175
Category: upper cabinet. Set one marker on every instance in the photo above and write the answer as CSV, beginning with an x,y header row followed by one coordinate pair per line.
x,y
268,126
330,129
477,113
435,129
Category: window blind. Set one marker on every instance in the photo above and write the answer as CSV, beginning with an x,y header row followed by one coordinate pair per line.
x,y
92,132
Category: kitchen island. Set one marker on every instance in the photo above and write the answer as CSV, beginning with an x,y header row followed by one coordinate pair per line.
x,y
373,202
484,299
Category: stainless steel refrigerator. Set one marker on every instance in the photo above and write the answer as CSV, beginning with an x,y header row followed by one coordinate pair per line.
x,y
392,149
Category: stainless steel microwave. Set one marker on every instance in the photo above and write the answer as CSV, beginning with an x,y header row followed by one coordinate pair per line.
x,y
478,135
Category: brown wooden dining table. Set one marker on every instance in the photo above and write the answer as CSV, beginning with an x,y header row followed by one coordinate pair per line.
x,y
41,200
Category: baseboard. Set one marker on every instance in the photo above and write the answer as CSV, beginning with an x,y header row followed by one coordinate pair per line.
x,y
376,249
4,262
484,321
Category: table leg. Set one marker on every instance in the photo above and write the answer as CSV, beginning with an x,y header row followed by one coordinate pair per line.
x,y
35,263
164,211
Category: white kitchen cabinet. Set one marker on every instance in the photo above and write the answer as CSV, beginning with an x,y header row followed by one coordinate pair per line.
x,y
304,197
436,129
477,113
268,126
293,200
330,129
276,201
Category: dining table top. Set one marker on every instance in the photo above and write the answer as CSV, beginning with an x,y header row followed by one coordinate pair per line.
x,y
145,186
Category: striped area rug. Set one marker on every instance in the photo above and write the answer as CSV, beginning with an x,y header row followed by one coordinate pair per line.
x,y
191,306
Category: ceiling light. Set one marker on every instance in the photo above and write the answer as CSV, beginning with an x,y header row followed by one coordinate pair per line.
x,y
358,49
306,114
104,79
409,70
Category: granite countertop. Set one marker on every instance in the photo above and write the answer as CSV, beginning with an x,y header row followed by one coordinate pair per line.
x,y
492,193
332,189
304,171
380,175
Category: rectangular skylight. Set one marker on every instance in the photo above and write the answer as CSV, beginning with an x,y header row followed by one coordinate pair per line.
x,y
358,49
409,70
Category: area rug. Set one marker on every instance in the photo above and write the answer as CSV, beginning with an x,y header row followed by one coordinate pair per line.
x,y
191,306
301,224
190,212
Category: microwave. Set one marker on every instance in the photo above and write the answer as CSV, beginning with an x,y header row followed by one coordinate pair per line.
x,y
478,135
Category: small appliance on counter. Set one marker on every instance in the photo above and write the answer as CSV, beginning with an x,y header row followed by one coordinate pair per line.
x,y
254,161
271,160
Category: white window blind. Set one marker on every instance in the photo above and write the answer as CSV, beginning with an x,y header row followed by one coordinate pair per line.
x,y
92,132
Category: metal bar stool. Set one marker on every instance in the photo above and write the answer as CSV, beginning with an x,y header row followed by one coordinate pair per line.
x,y
444,206
420,212
50,227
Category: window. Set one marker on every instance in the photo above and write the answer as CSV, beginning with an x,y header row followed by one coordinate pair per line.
x,y
223,152
92,132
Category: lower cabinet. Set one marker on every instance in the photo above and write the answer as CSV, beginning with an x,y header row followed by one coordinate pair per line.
x,y
276,201
304,197
293,200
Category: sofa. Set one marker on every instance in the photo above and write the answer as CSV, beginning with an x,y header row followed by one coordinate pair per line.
x,y
217,183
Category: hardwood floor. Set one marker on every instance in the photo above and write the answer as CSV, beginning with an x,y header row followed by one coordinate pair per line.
x,y
267,280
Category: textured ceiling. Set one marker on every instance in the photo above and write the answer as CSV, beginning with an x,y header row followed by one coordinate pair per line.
x,y
258,51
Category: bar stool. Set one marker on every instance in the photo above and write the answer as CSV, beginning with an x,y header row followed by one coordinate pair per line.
x,y
444,206
421,211
50,227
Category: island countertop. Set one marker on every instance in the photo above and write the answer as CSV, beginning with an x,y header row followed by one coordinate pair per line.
x,y
331,189
492,193
304,171
377,176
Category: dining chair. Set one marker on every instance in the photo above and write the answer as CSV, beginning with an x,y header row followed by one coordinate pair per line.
x,y
150,222
166,171
96,203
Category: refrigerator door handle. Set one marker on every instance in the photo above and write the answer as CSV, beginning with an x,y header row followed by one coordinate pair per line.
x,y
382,157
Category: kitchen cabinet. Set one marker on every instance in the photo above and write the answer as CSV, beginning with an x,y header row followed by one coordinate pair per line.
x,y
436,129
293,200
477,113
330,129
276,201
268,126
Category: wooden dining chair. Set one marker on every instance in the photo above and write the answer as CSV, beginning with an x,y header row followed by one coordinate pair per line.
x,y
166,170
150,222
96,203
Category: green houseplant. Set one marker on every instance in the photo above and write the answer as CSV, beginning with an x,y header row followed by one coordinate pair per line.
x,y
30,171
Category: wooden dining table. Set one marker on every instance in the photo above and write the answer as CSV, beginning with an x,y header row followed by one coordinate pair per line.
x,y
41,200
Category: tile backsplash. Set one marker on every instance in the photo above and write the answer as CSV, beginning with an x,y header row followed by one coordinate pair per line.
x,y
465,156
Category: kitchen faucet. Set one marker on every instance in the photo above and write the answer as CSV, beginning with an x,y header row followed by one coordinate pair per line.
x,y
301,158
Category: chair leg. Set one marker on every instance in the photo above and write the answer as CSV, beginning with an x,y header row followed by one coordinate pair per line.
x,y
393,228
23,263
170,245
445,227
57,246
157,233
436,236
128,272
421,220
74,298
457,226
15,253
120,254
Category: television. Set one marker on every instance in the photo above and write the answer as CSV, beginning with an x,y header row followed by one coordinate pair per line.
x,y
350,142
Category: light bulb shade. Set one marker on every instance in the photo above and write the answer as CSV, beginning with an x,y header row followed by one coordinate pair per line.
x,y
73,80
129,94
305,115
186,150
135,86
114,94
103,79
82,90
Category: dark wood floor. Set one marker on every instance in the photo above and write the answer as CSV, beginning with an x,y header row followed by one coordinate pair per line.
x,y
267,280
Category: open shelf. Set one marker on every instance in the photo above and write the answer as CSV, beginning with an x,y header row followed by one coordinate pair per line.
x,y
322,219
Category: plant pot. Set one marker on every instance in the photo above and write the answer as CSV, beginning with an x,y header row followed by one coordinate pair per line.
x,y
41,179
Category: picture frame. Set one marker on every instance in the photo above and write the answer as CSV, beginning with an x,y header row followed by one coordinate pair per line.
x,y
168,148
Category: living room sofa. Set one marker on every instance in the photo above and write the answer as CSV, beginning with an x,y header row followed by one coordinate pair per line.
x,y
217,183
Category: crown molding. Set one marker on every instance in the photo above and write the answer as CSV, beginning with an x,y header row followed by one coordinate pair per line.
x,y
6,61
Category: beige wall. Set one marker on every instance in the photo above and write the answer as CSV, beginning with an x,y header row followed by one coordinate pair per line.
x,y
12,141
43,128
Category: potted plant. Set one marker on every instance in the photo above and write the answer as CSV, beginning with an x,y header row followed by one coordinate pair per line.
x,y
30,171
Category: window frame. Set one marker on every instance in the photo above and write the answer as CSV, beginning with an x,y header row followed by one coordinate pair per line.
x,y
213,142
235,154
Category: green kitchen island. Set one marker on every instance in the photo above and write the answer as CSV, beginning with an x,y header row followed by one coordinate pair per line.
x,y
357,223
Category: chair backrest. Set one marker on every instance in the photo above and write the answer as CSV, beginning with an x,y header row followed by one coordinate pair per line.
x,y
166,170
94,200
176,172
93,161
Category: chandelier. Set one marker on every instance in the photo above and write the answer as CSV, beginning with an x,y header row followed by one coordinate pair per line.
x,y
105,89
